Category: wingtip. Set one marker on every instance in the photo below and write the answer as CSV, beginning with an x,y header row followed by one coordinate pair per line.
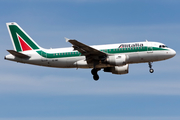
x,y
67,39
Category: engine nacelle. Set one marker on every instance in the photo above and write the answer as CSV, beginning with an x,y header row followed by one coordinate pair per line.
x,y
117,60
118,69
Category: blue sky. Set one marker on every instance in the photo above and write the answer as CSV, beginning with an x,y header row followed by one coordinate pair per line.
x,y
32,92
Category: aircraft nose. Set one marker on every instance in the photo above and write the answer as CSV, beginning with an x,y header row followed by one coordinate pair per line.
x,y
173,53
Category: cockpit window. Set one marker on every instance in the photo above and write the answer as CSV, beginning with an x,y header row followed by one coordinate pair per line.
x,y
162,46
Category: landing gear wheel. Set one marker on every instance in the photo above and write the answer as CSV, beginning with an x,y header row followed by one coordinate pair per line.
x,y
150,66
95,74
151,70
94,71
96,77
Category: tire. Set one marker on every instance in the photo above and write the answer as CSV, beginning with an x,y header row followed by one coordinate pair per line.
x,y
96,77
94,71
151,70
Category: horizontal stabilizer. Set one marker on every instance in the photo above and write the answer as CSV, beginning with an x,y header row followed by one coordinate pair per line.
x,y
17,54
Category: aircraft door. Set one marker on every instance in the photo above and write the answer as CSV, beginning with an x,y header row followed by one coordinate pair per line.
x,y
149,48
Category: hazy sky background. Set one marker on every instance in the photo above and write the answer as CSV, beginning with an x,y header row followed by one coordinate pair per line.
x,y
32,92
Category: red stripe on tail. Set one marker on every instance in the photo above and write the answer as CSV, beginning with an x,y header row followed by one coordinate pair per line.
x,y
24,45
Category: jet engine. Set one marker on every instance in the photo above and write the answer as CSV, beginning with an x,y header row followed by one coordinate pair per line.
x,y
117,60
118,69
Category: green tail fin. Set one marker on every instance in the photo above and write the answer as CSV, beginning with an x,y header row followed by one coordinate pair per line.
x,y
20,39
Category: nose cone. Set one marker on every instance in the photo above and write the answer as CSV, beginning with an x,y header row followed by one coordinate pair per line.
x,y
173,53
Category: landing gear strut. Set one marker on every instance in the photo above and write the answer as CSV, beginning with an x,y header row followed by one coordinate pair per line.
x,y
150,66
94,73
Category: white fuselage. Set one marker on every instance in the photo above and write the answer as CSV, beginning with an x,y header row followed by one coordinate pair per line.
x,y
68,58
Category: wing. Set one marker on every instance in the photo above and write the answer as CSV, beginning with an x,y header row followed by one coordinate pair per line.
x,y
89,52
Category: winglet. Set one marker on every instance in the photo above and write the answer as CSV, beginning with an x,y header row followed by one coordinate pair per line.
x,y
67,39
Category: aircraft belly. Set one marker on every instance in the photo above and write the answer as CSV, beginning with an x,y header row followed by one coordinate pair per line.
x,y
64,62
146,57
141,57
71,62
161,55
133,58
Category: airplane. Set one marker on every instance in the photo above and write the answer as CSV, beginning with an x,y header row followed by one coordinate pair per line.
x,y
113,58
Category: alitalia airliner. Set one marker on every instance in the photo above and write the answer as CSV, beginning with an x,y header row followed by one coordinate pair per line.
x,y
113,58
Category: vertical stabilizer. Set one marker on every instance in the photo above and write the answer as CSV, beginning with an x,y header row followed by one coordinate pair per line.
x,y
20,39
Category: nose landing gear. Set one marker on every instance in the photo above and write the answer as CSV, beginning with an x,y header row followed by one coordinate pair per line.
x,y
150,66
94,73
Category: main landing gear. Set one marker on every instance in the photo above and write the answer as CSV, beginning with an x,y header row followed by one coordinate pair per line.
x,y
94,73
150,66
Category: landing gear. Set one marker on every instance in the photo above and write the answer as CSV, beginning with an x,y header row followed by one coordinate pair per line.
x,y
150,66
151,70
94,73
96,77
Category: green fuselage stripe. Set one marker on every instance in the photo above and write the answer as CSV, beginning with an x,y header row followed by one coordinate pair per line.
x,y
109,51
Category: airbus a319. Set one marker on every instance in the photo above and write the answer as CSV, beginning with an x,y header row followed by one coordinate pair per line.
x,y
113,58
